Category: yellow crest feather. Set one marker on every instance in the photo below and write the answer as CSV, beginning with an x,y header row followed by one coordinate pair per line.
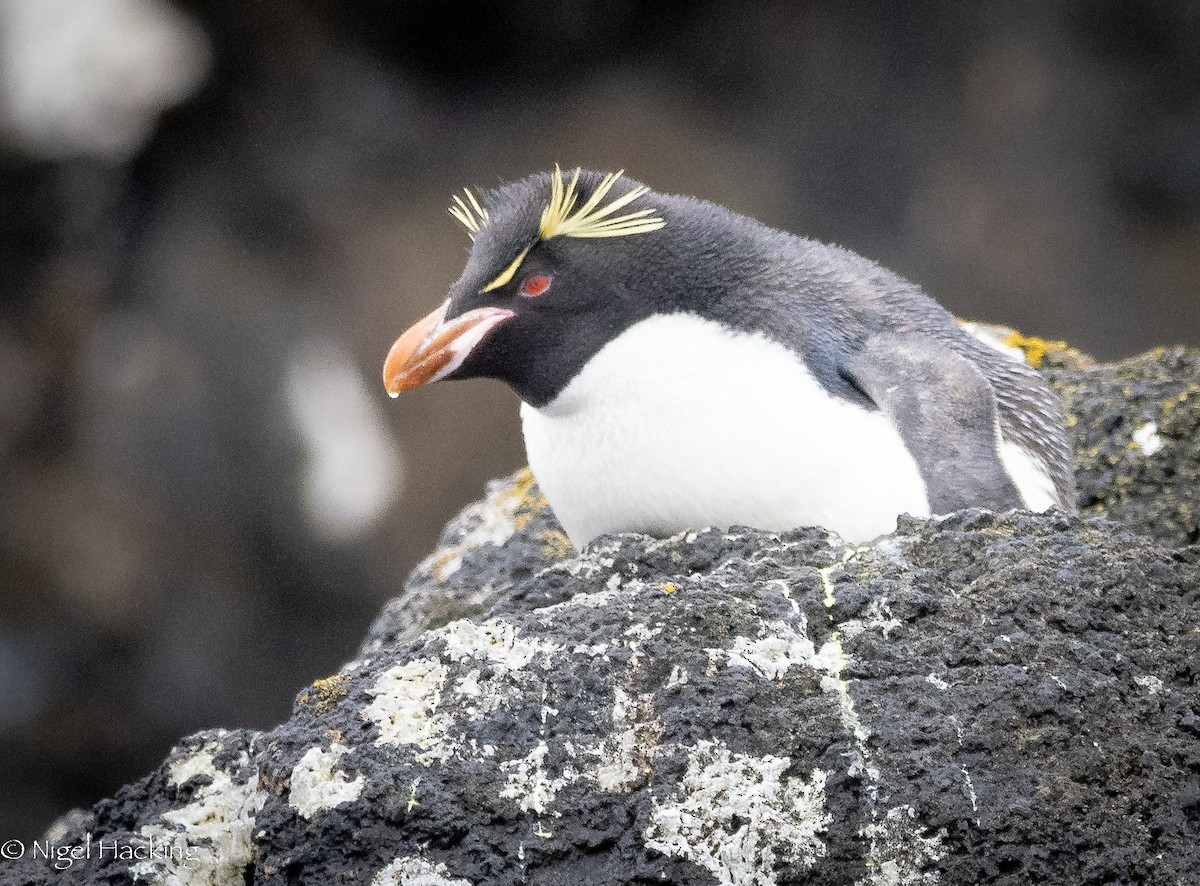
x,y
560,218
472,216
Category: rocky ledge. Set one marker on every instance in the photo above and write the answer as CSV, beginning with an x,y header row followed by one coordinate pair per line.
x,y
977,699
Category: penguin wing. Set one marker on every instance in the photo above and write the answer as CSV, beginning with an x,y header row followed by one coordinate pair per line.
x,y
945,411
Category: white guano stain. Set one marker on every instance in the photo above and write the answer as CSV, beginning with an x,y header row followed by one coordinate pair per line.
x,y
408,696
876,617
529,783
595,650
316,785
736,815
839,687
778,648
1146,437
405,708
625,755
1150,683
594,600
970,785
495,641
775,651
619,774
629,748
416,871
642,632
212,833
900,855
504,653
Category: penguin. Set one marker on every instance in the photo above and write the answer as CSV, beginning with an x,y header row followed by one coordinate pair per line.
x,y
683,366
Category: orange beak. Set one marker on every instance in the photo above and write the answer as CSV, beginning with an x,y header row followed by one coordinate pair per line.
x,y
433,347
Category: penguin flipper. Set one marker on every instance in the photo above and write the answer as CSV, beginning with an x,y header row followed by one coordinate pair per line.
x,y
945,411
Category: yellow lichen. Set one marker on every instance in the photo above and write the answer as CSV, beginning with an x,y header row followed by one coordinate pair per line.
x,y
1035,349
326,692
556,545
524,498
521,488
1172,403
669,587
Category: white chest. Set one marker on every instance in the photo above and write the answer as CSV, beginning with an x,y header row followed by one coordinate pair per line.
x,y
679,423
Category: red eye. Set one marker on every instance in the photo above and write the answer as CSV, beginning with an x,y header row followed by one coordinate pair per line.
x,y
535,284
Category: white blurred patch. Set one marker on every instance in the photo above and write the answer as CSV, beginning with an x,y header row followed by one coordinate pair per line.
x,y
353,470
993,336
91,76
1147,438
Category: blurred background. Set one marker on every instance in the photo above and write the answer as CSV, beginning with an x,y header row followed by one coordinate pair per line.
x,y
215,217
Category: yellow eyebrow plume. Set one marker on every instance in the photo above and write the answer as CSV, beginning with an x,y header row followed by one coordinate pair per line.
x,y
560,218
508,273
564,217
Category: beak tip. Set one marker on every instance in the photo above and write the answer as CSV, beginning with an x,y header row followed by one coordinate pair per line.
x,y
393,382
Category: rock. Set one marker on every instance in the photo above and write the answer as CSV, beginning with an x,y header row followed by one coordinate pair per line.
x,y
976,699
1135,426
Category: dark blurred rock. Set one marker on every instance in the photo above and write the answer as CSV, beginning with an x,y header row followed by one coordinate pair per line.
x,y
1134,428
975,699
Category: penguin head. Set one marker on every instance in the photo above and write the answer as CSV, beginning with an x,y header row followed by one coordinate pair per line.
x,y
559,265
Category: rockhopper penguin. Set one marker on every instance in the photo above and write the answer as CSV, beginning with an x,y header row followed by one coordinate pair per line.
x,y
684,366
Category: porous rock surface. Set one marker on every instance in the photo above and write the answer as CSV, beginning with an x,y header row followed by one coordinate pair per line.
x,y
1135,429
984,698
